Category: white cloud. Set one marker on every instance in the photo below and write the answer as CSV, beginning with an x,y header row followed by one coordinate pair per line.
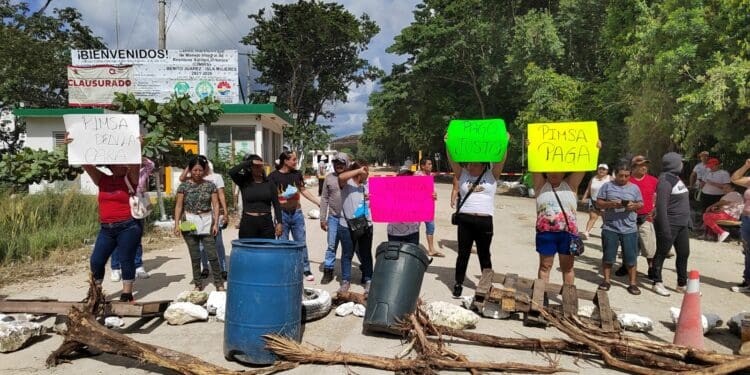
x,y
221,24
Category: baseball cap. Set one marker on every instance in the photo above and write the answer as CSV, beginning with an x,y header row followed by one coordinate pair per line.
x,y
602,165
712,162
341,157
638,160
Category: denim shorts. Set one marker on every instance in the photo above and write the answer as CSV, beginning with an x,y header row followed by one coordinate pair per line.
x,y
551,243
429,227
612,240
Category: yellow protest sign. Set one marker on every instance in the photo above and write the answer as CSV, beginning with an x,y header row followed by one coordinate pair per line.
x,y
563,146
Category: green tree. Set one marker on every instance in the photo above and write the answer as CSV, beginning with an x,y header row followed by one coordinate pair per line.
x,y
36,51
308,53
164,123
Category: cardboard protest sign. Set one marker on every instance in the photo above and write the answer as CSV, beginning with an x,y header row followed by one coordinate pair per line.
x,y
563,146
402,199
477,140
103,139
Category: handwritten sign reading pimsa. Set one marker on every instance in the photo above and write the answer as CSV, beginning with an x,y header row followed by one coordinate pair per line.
x,y
477,140
563,146
402,199
103,139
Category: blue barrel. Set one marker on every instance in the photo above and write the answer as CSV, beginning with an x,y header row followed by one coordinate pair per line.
x,y
264,296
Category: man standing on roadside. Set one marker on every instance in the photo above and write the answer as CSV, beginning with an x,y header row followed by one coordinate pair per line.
x,y
647,185
330,213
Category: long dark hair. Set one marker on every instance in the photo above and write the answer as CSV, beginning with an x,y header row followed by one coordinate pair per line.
x,y
251,158
284,156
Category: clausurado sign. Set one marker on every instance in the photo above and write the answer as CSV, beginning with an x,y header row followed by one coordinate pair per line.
x,y
103,139
477,140
563,146
402,199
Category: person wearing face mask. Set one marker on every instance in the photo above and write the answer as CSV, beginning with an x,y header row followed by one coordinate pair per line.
x,y
672,222
330,213
476,187
620,199
291,187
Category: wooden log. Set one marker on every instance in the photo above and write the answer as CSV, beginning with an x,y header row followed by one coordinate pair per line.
x,y
355,297
295,352
55,307
605,312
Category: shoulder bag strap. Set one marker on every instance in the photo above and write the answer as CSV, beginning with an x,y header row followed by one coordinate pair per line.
x,y
130,187
473,186
565,216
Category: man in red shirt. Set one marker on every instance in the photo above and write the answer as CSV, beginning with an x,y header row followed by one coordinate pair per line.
x,y
647,185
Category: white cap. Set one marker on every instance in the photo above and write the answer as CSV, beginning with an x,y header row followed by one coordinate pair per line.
x,y
602,165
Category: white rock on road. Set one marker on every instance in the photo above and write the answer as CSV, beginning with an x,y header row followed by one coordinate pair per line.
x,y
450,315
193,296
180,313
14,334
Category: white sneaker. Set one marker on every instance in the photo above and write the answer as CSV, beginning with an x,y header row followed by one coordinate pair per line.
x,y
116,275
723,237
742,288
141,273
661,290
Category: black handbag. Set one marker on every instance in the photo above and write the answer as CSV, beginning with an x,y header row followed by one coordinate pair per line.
x,y
576,243
358,225
454,216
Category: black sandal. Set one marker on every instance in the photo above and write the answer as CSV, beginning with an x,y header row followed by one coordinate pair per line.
x,y
605,286
634,290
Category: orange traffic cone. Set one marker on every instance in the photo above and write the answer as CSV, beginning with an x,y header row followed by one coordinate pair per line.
x,y
690,326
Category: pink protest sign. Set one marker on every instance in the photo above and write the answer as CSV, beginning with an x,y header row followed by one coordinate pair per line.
x,y
402,199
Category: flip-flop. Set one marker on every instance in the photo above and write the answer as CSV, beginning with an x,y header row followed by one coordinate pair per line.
x,y
437,254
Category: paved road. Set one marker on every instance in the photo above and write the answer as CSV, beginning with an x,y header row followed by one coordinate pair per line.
x,y
512,251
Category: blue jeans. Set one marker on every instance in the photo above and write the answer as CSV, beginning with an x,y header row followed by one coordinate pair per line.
x,y
629,242
333,242
220,252
347,254
294,222
745,231
124,236
429,227
114,260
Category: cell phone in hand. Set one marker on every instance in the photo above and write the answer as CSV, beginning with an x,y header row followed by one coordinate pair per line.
x,y
624,202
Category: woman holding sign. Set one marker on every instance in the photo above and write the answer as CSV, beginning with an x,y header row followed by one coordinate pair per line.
x,y
119,230
477,183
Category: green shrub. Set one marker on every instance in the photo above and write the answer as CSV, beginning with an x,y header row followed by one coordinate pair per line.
x,y
34,225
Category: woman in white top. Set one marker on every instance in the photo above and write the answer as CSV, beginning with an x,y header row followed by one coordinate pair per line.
x,y
475,214
602,177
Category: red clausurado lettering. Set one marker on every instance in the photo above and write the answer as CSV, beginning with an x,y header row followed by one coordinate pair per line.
x,y
565,154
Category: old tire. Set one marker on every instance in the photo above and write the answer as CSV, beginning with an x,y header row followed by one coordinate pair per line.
x,y
316,303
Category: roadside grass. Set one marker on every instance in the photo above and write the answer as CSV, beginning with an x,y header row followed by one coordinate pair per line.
x,y
34,225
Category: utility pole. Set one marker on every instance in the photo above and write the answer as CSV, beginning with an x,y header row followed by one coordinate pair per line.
x,y
162,45
162,24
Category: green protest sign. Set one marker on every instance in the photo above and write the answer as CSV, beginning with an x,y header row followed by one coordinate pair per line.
x,y
477,140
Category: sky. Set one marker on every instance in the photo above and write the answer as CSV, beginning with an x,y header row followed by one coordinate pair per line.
x,y
220,24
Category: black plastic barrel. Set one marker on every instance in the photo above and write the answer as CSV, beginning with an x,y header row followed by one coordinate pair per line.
x,y
264,296
396,283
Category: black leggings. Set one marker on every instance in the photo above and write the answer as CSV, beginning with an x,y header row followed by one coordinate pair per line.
x,y
681,243
473,228
257,227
